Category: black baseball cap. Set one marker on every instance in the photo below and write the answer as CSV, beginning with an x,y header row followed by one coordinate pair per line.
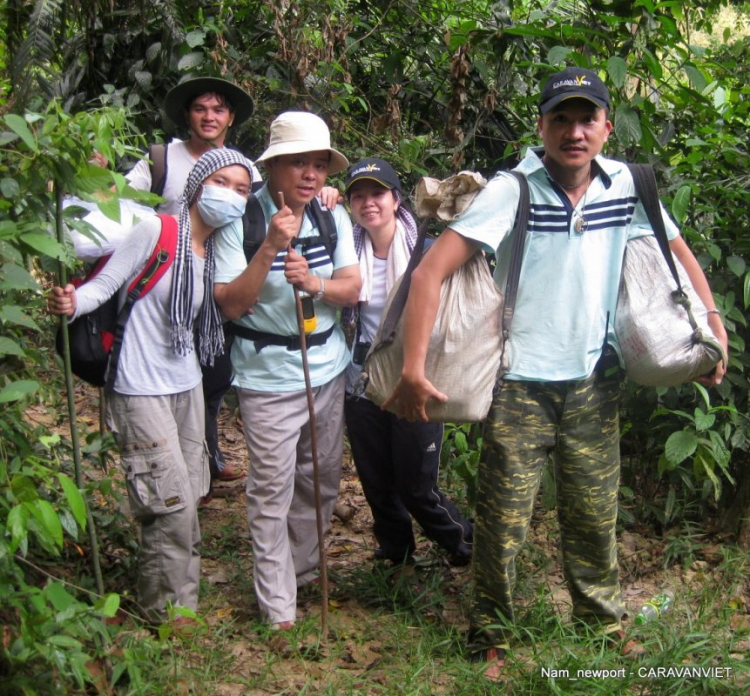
x,y
573,83
375,169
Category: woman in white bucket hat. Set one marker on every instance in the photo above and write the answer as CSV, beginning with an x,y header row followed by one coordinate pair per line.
x,y
267,359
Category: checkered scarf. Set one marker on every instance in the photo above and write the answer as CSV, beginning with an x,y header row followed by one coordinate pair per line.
x,y
210,333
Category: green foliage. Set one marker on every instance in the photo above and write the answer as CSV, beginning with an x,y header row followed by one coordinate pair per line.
x,y
53,632
434,87
459,457
707,447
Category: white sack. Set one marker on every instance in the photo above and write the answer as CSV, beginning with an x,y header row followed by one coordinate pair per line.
x,y
658,345
464,352
445,200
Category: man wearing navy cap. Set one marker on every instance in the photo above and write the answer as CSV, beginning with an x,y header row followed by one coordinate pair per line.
x,y
559,400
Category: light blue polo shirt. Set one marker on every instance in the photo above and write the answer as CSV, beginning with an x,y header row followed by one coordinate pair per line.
x,y
569,279
276,369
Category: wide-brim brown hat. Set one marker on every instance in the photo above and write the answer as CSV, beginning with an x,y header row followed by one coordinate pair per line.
x,y
179,97
294,132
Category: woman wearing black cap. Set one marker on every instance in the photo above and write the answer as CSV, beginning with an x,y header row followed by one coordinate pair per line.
x,y
397,461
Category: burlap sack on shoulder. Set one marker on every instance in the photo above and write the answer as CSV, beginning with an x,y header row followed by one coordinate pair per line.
x,y
464,351
663,335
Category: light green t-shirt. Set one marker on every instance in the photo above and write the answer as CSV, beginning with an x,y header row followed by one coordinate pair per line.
x,y
274,368
569,278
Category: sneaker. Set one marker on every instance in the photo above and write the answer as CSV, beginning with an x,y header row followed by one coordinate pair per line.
x,y
230,473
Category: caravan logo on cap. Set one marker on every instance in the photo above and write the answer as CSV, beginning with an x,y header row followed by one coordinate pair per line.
x,y
577,81
375,169
367,168
574,83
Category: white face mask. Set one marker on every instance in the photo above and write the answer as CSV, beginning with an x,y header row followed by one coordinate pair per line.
x,y
218,206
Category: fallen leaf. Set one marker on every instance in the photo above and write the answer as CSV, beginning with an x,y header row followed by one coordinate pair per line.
x,y
218,578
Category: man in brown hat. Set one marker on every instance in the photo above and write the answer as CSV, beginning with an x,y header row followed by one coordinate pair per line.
x,y
207,107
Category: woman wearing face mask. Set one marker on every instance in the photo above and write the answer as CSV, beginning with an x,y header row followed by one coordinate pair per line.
x,y
397,461
156,410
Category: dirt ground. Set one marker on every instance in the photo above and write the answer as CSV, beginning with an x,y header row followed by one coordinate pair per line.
x,y
227,570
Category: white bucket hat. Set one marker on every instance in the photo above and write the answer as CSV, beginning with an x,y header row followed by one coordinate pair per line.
x,y
300,131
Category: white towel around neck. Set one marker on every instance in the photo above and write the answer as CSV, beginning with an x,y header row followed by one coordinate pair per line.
x,y
397,261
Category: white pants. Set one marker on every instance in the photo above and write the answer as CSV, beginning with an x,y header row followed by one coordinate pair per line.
x,y
280,490
164,458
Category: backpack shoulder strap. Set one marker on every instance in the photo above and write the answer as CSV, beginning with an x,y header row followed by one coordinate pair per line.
x,y
253,227
390,320
160,259
324,222
157,154
646,189
516,251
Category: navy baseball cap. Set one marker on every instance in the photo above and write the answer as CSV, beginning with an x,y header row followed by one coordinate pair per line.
x,y
573,83
375,169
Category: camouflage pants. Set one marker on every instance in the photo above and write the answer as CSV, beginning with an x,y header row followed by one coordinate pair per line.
x,y
577,424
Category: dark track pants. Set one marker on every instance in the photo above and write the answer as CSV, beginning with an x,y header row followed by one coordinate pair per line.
x,y
398,464
217,380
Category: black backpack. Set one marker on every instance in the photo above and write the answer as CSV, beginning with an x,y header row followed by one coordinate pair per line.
x,y
158,165
95,338
157,154
254,228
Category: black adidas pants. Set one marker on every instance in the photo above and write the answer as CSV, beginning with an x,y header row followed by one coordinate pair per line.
x,y
398,465
217,380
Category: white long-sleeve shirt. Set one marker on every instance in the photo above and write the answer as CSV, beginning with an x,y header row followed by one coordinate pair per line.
x,y
148,364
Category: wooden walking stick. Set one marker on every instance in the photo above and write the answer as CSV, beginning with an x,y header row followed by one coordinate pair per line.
x,y
314,447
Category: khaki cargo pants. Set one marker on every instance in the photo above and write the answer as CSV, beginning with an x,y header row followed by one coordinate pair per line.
x,y
165,462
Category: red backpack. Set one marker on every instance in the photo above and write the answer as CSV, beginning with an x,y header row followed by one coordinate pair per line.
x,y
95,338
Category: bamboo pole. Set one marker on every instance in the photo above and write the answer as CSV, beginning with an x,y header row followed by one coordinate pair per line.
x,y
72,415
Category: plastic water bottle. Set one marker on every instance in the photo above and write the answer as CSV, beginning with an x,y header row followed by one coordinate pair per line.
x,y
655,607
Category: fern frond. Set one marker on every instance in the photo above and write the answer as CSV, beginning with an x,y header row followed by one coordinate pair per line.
x,y
37,52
